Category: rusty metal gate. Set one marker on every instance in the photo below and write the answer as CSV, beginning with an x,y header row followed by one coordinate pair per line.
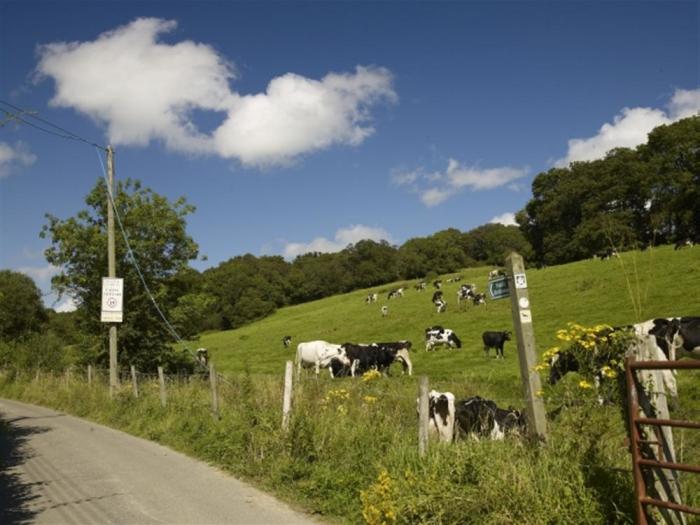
x,y
644,458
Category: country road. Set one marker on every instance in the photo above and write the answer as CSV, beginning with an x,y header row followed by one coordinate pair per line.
x,y
60,469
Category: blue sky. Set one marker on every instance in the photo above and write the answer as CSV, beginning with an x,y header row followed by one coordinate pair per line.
x,y
296,126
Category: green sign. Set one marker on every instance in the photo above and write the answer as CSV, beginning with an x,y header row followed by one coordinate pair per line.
x,y
498,288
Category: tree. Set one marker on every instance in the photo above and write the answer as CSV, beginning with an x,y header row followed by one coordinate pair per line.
x,y
21,309
156,229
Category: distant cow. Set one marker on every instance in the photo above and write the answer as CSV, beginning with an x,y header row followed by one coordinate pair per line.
x,y
385,311
495,274
606,254
202,356
441,415
377,356
479,298
438,336
481,418
395,293
287,340
684,243
439,302
437,283
371,298
465,292
495,340
420,286
318,354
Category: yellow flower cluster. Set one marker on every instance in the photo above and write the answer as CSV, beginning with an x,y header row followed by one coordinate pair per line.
x,y
336,396
584,384
369,399
370,375
609,372
378,507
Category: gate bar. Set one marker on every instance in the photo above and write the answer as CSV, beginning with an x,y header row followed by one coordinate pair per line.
x,y
670,505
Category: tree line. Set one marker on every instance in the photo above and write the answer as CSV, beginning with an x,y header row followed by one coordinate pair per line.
x,y
631,198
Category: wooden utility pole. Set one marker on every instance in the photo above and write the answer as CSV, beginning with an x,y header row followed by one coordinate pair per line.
x,y
527,353
423,416
214,391
111,271
287,398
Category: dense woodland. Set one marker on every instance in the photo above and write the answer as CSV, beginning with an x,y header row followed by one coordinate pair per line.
x,y
630,199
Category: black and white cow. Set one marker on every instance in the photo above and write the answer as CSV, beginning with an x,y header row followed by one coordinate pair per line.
x,y
683,243
439,301
202,357
479,418
465,292
395,293
479,298
385,311
319,354
607,253
438,336
371,298
287,340
377,356
441,415
437,283
421,286
495,340
496,273
675,336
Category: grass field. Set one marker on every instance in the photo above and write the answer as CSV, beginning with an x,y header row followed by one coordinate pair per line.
x,y
351,452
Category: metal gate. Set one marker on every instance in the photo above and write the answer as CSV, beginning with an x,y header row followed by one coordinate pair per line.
x,y
644,457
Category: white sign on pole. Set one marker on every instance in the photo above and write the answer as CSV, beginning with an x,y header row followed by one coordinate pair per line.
x,y
112,299
520,280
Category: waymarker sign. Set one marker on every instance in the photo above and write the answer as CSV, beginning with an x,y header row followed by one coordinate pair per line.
x,y
112,299
498,288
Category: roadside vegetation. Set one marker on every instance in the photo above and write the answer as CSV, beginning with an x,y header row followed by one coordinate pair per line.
x,y
351,451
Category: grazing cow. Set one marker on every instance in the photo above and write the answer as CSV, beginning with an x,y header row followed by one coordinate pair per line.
x,y
287,340
371,298
385,311
319,355
495,340
202,357
606,254
437,336
437,283
495,274
686,336
395,293
441,415
479,298
439,302
482,418
684,243
378,356
465,292
457,278
421,286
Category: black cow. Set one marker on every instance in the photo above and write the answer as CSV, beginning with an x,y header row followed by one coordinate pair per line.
x,y
479,298
482,418
495,340
287,340
686,336
378,356
683,243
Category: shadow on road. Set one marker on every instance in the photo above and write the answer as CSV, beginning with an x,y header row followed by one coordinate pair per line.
x,y
16,494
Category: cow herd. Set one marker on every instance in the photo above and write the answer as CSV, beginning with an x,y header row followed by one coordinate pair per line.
x,y
350,359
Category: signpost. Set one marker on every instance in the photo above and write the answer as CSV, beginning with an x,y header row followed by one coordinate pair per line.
x,y
112,300
498,288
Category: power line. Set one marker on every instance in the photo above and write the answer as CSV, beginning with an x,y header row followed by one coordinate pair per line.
x,y
61,132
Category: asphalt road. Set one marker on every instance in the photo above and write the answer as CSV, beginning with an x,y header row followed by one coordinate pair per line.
x,y
60,469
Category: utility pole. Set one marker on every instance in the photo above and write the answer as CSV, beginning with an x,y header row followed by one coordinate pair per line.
x,y
522,322
112,271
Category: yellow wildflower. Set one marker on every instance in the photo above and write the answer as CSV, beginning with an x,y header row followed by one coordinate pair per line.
x,y
584,384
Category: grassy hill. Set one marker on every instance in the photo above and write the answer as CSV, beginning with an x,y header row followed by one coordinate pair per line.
x,y
659,282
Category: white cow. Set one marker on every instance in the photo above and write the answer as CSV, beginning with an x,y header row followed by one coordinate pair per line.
x,y
319,355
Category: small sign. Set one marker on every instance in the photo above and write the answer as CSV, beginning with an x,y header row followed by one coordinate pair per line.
x,y
525,316
112,300
520,280
498,288
524,302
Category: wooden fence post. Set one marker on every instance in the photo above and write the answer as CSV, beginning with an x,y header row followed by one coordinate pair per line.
x,y
163,394
287,400
89,375
527,353
423,410
214,391
134,382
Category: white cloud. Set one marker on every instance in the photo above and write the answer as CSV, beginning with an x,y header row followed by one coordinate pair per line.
x,y
41,275
630,128
11,157
457,177
507,219
145,90
67,304
343,237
